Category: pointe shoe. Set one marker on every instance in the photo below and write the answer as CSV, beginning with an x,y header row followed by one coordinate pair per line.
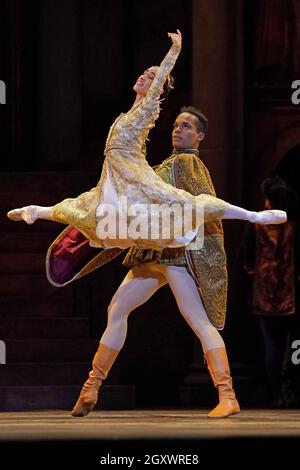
x,y
28,213
219,370
102,363
269,217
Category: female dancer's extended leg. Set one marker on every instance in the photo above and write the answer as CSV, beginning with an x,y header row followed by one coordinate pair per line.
x,y
32,213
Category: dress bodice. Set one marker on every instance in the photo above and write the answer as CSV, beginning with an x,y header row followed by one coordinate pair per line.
x,y
124,135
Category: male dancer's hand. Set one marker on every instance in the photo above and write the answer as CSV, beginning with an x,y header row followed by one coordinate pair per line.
x,y
176,38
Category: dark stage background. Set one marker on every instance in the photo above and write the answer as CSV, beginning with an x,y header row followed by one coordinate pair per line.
x,y
69,67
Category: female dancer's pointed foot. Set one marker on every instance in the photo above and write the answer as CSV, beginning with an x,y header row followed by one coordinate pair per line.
x,y
268,217
28,213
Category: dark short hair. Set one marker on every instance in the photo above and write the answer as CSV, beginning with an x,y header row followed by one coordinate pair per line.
x,y
280,194
202,119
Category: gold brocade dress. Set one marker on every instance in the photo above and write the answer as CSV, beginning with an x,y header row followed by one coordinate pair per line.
x,y
126,172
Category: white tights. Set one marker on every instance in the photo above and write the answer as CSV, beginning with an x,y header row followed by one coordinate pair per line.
x,y
140,284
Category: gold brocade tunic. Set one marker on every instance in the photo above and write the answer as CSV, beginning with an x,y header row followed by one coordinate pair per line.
x,y
207,265
171,256
126,173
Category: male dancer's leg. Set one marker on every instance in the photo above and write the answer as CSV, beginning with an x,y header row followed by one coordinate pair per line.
x,y
191,306
138,286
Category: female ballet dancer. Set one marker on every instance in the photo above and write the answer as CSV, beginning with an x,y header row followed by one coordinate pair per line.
x,y
127,180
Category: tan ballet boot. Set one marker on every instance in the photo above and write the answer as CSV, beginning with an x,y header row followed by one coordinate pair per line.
x,y
102,363
219,370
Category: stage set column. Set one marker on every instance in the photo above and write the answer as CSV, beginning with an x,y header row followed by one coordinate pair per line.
x,y
60,83
217,90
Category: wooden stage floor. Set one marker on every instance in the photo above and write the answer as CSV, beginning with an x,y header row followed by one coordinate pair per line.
x,y
108,434
147,424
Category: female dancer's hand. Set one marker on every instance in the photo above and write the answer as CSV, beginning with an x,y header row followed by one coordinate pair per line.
x,y
176,38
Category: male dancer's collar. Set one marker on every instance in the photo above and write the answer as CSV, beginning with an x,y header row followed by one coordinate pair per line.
x,y
194,151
